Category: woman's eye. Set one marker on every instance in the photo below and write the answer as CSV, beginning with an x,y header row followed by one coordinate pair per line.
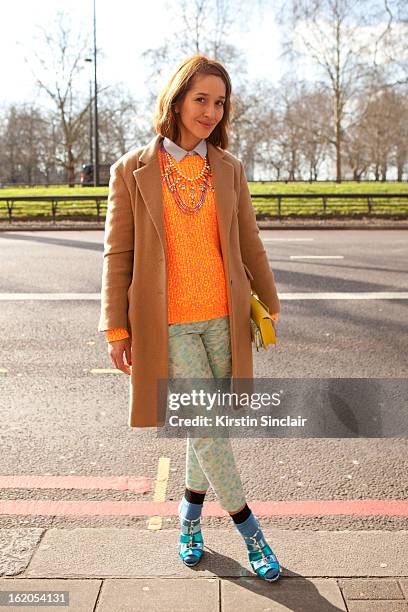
x,y
198,99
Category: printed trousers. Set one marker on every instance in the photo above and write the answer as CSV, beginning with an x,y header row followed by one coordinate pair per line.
x,y
202,349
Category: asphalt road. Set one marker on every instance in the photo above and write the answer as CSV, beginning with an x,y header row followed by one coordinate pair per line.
x,y
59,417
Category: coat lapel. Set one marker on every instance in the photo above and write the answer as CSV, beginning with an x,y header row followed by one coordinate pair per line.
x,y
148,179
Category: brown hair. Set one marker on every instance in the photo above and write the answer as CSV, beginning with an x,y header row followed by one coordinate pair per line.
x,y
165,117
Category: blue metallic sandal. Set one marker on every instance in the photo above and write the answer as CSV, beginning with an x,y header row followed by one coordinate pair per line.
x,y
263,560
191,544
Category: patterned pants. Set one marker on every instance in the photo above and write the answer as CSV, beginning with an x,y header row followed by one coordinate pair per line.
x,y
202,349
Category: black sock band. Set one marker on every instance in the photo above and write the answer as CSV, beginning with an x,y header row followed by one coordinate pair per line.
x,y
193,497
242,515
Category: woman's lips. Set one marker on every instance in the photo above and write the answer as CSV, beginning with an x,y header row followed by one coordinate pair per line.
x,y
207,125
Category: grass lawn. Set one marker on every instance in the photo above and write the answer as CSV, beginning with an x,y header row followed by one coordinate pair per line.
x,y
263,206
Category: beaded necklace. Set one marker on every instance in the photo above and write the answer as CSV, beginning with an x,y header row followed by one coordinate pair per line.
x,y
169,172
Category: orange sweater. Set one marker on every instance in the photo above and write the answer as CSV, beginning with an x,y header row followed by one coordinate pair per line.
x,y
196,285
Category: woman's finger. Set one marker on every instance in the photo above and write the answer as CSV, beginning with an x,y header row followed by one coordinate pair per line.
x,y
128,353
121,365
116,354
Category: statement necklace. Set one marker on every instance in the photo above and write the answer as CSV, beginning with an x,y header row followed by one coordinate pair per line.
x,y
175,179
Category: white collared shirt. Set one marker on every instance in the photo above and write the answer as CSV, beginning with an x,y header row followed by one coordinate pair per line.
x,y
178,152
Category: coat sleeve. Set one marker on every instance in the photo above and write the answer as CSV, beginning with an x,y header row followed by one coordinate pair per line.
x,y
117,269
252,250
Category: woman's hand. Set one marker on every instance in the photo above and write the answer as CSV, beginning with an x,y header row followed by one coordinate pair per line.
x,y
116,349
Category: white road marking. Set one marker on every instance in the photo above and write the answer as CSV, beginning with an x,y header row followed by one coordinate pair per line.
x,y
366,295
317,256
105,371
50,296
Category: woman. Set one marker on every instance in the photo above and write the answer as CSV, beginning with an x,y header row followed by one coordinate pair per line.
x,y
181,252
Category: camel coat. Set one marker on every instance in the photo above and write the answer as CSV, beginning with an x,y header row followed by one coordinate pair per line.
x,y
134,275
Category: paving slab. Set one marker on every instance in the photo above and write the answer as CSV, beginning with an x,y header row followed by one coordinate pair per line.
x,y
135,553
214,594
403,582
158,594
316,595
16,549
377,606
368,588
83,594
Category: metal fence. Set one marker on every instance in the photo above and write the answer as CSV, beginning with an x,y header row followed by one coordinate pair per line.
x,y
271,205
54,205
322,204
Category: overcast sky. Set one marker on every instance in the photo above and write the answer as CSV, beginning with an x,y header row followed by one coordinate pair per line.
x,y
125,29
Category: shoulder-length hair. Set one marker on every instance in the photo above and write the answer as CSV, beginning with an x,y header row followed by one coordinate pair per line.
x,y
165,117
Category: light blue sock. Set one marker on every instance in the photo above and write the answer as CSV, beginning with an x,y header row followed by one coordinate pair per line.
x,y
188,510
249,526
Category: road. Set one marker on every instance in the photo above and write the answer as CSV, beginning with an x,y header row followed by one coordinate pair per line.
x,y
62,418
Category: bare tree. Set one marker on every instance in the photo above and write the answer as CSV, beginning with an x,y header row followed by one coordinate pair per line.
x,y
401,139
391,57
124,122
356,151
199,26
250,122
57,62
381,123
305,119
337,38
23,131
312,110
10,147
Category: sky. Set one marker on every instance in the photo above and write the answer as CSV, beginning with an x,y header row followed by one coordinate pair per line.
x,y
125,29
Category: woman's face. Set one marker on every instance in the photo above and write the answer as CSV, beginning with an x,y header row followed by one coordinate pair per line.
x,y
201,109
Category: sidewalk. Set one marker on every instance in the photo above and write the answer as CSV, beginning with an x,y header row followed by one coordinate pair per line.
x,y
131,570
288,223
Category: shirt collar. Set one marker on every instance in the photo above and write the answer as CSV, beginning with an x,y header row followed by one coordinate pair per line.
x,y
178,153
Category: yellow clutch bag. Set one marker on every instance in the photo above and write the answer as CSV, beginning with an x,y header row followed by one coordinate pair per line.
x,y
262,329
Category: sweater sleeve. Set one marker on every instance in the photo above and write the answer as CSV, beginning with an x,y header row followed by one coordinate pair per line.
x,y
116,333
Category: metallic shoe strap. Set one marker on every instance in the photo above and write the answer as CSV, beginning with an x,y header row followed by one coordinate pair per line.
x,y
189,526
259,545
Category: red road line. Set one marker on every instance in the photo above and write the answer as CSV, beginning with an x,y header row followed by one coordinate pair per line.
x,y
354,507
137,484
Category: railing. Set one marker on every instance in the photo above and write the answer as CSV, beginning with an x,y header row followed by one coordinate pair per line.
x,y
54,201
327,204
268,205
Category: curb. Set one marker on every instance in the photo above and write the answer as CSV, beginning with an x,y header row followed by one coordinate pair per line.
x,y
263,225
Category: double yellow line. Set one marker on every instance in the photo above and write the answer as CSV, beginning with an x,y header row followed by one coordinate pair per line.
x,y
160,489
